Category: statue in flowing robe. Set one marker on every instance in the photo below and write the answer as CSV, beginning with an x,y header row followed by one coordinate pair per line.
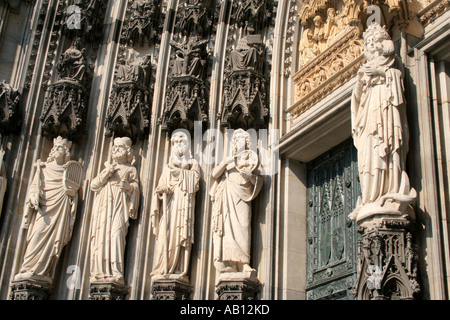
x,y
380,131
232,193
173,210
246,55
49,215
116,201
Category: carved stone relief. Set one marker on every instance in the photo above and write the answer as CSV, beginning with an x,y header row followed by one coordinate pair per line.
x,y
130,101
330,48
143,22
9,103
187,92
66,100
116,201
50,213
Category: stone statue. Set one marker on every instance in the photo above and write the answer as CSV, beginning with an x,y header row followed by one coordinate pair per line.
x,y
309,48
246,55
331,26
50,212
380,131
189,58
173,210
116,201
136,71
72,64
319,33
232,193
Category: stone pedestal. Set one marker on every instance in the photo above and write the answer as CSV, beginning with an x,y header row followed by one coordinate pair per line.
x,y
108,291
30,290
387,260
237,286
171,289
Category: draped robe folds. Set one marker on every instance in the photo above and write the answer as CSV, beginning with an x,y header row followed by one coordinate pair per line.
x,y
381,136
50,227
110,220
174,225
232,194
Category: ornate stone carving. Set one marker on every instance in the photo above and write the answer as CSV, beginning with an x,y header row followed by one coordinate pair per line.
x,y
187,90
173,211
384,210
235,187
142,22
388,264
193,19
252,15
65,104
235,289
50,213
173,289
84,18
245,95
108,291
129,107
380,131
116,201
433,10
30,290
328,71
9,103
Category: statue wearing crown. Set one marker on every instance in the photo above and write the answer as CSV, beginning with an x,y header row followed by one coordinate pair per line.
x,y
380,131
116,201
50,212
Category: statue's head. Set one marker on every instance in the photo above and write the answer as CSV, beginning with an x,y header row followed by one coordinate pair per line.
x,y
181,148
121,150
377,41
241,141
60,151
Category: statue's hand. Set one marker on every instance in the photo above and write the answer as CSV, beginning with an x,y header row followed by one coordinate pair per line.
x,y
34,200
124,185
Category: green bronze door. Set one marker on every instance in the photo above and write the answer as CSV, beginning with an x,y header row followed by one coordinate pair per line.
x,y
333,189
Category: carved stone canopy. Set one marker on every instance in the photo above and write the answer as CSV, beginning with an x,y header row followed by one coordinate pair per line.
x,y
130,101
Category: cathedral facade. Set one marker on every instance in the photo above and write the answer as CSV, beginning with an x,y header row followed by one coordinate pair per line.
x,y
224,149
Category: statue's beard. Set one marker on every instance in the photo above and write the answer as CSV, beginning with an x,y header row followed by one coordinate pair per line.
x,y
118,154
181,157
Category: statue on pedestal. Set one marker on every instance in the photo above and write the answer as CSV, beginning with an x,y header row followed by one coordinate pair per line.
x,y
380,131
50,212
173,211
116,201
232,194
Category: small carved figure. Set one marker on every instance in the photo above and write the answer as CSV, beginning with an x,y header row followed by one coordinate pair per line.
x,y
50,213
246,55
72,64
173,210
308,47
232,193
189,58
116,201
